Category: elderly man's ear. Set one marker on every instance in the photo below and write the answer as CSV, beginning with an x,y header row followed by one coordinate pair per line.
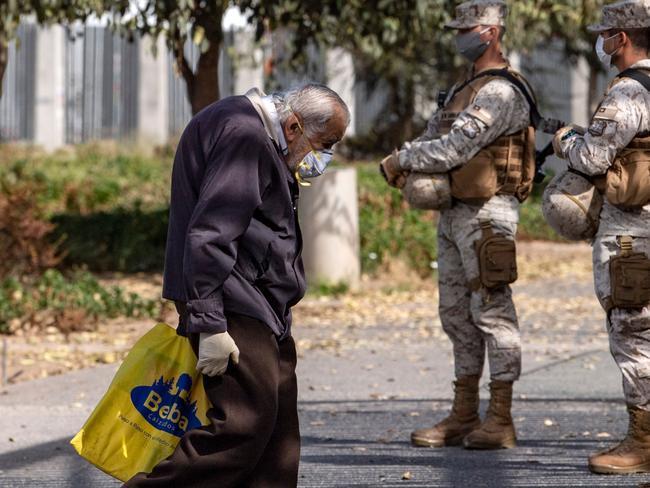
x,y
292,128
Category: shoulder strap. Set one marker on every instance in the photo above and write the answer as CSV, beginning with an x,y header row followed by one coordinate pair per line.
x,y
637,75
535,117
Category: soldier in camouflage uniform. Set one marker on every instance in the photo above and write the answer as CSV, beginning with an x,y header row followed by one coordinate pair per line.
x,y
489,114
619,126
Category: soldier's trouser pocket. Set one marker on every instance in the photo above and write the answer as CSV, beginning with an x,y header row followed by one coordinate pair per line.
x,y
630,280
497,258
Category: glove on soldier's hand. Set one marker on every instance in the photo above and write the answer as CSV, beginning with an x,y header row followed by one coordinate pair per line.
x,y
563,139
215,350
392,171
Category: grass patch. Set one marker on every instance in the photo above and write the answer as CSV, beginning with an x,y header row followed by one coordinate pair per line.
x,y
532,225
328,289
70,302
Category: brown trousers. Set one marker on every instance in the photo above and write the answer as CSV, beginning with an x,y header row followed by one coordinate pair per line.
x,y
253,440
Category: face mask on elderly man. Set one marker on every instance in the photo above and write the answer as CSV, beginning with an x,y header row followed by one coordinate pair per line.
x,y
314,163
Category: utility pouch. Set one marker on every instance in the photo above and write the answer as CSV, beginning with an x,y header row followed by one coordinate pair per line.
x,y
528,168
497,258
628,180
630,277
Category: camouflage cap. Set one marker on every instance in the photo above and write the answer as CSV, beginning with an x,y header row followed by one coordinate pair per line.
x,y
626,14
479,12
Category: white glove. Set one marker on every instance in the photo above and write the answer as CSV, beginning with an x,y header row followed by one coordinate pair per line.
x,y
214,352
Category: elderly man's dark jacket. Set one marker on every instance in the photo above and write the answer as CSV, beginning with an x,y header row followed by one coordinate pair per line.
x,y
234,242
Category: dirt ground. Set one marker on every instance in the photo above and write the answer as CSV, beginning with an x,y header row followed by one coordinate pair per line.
x,y
335,323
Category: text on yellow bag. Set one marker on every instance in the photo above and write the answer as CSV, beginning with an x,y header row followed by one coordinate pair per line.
x,y
155,397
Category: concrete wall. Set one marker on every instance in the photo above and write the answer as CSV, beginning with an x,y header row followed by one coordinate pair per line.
x,y
49,131
153,90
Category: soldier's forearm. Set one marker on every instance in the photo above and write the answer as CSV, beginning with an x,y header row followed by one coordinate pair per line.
x,y
428,157
591,161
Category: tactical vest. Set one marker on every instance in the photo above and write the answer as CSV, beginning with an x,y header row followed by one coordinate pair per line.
x,y
505,167
627,182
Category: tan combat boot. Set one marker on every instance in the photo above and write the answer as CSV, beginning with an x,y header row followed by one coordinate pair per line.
x,y
462,420
497,430
633,454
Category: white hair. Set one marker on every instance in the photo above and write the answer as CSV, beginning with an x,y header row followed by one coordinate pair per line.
x,y
314,103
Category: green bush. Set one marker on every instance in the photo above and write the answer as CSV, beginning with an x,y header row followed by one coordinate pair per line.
x,y
69,302
26,244
91,178
109,205
532,225
121,240
110,208
389,228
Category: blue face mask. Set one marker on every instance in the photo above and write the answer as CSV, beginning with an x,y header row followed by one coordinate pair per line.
x,y
314,163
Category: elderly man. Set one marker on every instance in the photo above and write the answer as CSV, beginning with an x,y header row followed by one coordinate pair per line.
x,y
234,270
617,144
481,138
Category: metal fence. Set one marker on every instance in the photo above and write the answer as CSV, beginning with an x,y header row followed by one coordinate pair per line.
x,y
101,90
102,70
19,87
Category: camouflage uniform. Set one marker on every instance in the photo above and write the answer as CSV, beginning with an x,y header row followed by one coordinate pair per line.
x,y
473,320
623,113
618,129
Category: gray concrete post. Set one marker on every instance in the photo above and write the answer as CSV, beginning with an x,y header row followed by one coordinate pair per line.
x,y
153,100
248,63
329,217
580,93
341,79
49,116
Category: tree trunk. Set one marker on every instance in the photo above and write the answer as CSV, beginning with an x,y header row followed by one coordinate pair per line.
x,y
203,85
4,60
401,111
408,110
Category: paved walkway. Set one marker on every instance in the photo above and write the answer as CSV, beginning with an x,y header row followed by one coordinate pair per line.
x,y
564,411
359,403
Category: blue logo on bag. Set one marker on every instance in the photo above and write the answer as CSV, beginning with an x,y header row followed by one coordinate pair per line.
x,y
165,405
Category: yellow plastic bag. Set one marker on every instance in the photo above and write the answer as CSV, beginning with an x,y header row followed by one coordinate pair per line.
x,y
156,396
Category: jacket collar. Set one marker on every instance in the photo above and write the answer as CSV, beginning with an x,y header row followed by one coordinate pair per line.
x,y
265,107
